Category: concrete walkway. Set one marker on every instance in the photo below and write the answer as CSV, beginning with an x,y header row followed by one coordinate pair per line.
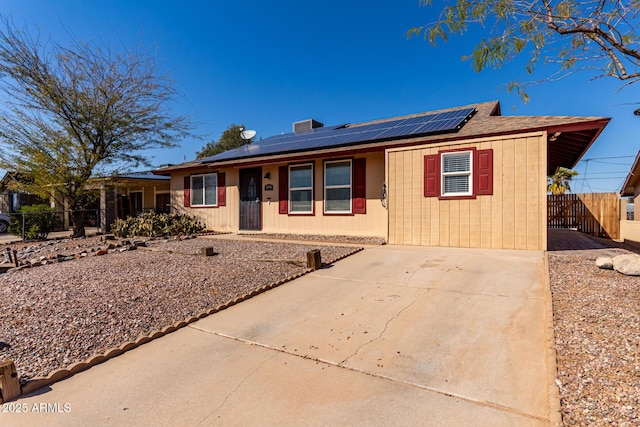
x,y
390,336
572,242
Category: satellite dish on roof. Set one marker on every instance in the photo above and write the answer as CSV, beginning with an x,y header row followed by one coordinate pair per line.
x,y
247,134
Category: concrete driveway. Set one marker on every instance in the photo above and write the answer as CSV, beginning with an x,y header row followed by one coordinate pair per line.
x,y
390,336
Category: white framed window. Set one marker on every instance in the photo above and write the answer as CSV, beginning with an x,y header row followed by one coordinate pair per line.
x,y
337,187
301,189
204,190
457,174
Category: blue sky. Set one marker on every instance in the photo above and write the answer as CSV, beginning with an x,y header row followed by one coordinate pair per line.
x,y
268,64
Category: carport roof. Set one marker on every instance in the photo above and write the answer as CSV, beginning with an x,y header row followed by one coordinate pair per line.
x,y
569,138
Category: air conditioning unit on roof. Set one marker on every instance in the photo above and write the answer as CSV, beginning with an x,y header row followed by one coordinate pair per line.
x,y
306,125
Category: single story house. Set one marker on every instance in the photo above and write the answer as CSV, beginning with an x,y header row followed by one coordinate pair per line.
x,y
115,197
458,177
130,194
11,198
630,229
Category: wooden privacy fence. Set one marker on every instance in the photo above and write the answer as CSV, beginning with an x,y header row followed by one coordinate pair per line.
x,y
597,214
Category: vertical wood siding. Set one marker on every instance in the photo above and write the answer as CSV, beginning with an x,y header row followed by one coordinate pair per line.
x,y
513,217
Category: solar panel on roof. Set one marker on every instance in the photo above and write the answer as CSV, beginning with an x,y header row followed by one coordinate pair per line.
x,y
332,136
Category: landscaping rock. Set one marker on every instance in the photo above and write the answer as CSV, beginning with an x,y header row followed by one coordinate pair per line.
x,y
95,305
628,264
102,252
605,262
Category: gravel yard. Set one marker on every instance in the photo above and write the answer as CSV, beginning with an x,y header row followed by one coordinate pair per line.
x,y
64,312
597,330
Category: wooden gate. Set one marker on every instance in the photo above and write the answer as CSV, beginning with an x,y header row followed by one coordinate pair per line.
x,y
597,214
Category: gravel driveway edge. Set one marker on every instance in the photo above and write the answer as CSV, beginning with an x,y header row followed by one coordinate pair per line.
x,y
62,373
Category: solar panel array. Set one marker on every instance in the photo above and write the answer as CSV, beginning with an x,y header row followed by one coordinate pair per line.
x,y
334,136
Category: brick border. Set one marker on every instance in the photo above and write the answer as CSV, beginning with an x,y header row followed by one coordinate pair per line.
x,y
77,367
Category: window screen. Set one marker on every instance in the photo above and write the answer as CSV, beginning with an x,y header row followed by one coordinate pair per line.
x,y
301,189
337,193
456,173
204,190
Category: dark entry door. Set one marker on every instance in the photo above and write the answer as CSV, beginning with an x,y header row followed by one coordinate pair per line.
x,y
163,203
250,197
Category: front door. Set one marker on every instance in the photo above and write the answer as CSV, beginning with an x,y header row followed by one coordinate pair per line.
x,y
250,197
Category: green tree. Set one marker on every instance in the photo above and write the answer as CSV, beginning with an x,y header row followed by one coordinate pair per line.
x,y
573,35
560,182
230,138
79,111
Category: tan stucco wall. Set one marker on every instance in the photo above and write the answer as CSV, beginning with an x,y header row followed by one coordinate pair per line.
x,y
148,192
223,218
630,231
373,223
226,218
514,217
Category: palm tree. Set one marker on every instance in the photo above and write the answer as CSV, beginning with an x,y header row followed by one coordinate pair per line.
x,y
560,181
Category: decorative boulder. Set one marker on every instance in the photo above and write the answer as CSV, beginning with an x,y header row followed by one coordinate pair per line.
x,y
605,262
628,264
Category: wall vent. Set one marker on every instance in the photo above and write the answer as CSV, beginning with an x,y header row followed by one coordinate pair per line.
x,y
306,125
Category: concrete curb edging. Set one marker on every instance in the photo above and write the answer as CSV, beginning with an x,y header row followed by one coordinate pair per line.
x,y
77,367
555,414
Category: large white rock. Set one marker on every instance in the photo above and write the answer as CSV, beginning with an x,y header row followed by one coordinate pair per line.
x,y
605,262
628,264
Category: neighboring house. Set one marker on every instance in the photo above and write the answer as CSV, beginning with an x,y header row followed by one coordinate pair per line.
x,y
461,177
117,197
630,229
12,199
131,194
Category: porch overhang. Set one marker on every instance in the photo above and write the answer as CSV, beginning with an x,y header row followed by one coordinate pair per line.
x,y
568,143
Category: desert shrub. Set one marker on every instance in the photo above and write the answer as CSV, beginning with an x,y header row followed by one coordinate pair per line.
x,y
151,224
39,221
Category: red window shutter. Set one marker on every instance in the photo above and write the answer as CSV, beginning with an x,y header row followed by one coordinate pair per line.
x,y
432,175
283,189
187,191
222,189
483,173
359,199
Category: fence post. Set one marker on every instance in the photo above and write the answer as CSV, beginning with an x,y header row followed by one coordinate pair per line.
x,y
9,383
314,260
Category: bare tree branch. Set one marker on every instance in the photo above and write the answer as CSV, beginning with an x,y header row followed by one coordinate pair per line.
x,y
581,35
75,111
